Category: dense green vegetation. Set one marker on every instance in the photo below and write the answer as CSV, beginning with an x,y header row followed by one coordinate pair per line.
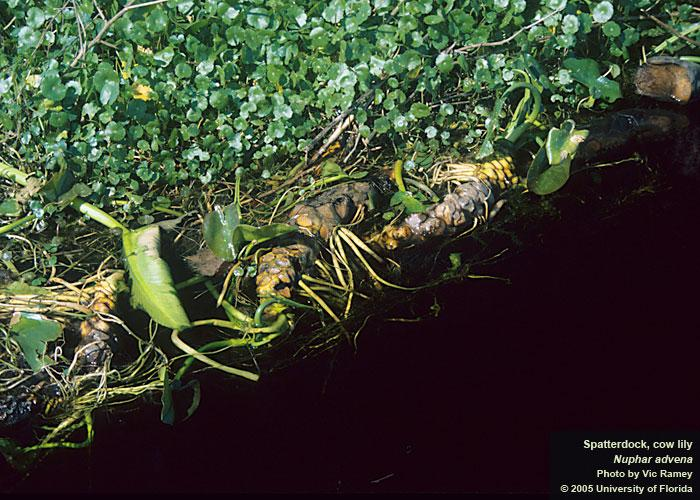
x,y
170,96
212,114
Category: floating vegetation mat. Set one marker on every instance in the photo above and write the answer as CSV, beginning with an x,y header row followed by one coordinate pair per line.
x,y
56,363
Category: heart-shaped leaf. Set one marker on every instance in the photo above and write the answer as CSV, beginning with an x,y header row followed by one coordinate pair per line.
x,y
33,332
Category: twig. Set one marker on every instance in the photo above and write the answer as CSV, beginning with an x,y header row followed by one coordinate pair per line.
x,y
129,6
466,48
333,137
99,11
673,30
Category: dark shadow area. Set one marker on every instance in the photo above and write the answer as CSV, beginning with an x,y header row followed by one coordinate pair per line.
x,y
598,330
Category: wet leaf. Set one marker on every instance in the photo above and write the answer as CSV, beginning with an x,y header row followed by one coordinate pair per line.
x,y
152,287
33,332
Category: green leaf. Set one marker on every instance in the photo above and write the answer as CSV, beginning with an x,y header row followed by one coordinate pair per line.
x,y
603,12
33,332
433,20
334,12
550,169
218,229
331,169
152,287
543,179
21,288
106,82
409,203
164,56
183,70
562,143
444,63
59,183
167,399
52,87
420,110
35,17
219,99
157,21
115,131
10,208
587,72
167,411
258,17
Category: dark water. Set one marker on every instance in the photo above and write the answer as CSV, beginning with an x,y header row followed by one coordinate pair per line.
x,y
598,330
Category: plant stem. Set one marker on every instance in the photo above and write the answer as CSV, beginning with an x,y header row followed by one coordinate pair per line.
x,y
97,214
13,174
232,313
257,318
80,205
168,211
15,224
398,175
222,344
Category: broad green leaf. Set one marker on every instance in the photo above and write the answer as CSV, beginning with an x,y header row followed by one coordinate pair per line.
x,y
33,332
218,229
550,168
258,17
35,17
58,184
106,83
603,12
152,288
10,208
587,72
545,179
331,169
157,20
420,110
562,143
410,204
52,87
444,63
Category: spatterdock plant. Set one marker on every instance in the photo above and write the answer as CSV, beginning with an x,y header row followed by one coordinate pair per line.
x,y
152,288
